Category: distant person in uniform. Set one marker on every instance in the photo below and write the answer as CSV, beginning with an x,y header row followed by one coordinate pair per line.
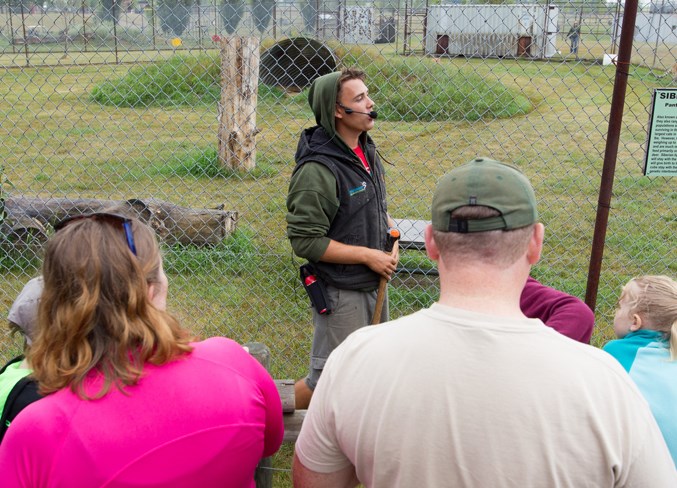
x,y
574,37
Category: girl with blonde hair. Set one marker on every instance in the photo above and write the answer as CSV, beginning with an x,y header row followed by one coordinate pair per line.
x,y
131,399
646,327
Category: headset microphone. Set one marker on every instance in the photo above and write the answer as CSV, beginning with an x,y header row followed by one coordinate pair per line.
x,y
373,114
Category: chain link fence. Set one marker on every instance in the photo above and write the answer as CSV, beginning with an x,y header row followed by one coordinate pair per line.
x,y
117,102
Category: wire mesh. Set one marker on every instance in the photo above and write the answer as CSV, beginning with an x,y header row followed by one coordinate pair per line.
x,y
119,101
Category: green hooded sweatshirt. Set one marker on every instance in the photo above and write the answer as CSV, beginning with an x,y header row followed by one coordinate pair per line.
x,y
314,202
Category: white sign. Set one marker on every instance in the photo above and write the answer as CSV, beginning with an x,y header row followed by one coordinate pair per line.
x,y
661,148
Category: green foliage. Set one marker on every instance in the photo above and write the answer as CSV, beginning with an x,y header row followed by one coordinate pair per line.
x,y
181,81
405,89
410,90
102,32
262,11
231,14
3,182
110,10
174,15
205,164
16,259
409,300
177,81
234,256
412,259
309,14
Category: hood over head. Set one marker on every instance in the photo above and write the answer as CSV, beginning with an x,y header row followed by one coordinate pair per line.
x,y
322,100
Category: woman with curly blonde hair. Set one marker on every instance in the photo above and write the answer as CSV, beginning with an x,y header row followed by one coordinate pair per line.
x,y
130,398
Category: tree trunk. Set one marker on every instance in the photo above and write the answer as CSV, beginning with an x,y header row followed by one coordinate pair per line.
x,y
237,108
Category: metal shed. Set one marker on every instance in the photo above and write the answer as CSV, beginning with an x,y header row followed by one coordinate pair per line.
x,y
656,27
492,30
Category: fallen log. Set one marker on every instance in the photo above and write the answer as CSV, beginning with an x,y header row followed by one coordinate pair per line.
x,y
172,223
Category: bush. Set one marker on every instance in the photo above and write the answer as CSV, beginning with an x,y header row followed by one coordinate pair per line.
x,y
110,10
231,14
412,91
174,16
262,11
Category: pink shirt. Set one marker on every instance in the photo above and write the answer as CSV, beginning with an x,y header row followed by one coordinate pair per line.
x,y
203,420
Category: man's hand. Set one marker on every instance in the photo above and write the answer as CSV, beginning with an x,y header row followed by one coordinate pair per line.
x,y
378,261
382,263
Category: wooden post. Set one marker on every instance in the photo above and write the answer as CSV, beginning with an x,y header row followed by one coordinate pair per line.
x,y
263,477
237,108
293,419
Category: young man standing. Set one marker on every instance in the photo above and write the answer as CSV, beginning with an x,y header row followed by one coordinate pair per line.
x,y
337,214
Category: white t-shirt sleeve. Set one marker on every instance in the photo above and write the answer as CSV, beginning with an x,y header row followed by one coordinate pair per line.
x,y
652,464
317,446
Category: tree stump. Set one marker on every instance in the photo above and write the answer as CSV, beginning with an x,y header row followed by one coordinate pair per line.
x,y
237,108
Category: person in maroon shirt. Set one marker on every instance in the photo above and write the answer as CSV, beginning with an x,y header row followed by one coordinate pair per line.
x,y
565,313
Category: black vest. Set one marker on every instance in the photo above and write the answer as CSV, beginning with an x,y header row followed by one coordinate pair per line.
x,y
361,219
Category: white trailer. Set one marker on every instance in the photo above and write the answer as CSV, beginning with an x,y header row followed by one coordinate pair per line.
x,y
656,27
492,30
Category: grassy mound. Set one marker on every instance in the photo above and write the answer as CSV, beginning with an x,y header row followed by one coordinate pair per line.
x,y
176,81
412,89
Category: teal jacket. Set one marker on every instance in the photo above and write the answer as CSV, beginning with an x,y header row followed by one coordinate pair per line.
x,y
645,355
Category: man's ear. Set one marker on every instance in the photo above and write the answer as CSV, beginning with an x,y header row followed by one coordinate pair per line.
x,y
636,322
536,244
430,244
338,114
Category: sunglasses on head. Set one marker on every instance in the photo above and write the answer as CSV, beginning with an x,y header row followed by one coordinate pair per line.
x,y
115,220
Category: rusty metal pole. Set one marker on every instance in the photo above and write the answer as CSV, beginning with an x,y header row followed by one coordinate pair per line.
x,y
115,30
611,151
23,26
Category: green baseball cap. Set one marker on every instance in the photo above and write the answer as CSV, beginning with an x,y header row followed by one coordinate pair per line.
x,y
488,183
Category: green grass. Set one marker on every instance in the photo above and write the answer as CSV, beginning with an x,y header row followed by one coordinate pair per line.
x,y
235,255
204,163
60,143
412,90
21,260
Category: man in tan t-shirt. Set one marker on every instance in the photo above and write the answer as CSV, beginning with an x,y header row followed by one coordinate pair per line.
x,y
470,392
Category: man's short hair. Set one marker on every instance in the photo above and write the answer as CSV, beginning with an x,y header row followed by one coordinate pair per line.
x,y
499,248
349,74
